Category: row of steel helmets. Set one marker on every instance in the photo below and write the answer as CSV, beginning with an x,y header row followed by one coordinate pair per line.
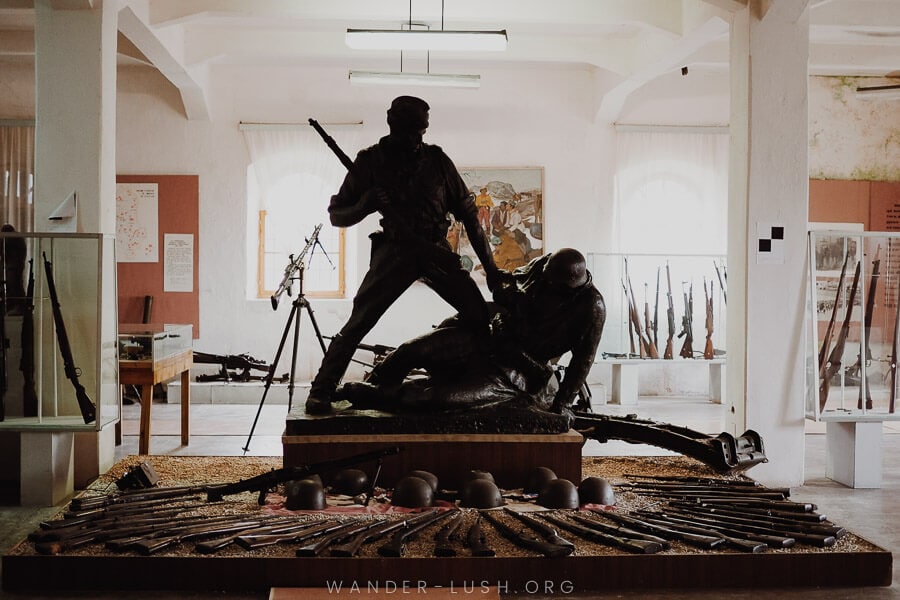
x,y
309,493
417,489
556,492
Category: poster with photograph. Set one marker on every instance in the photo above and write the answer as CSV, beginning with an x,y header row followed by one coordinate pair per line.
x,y
510,202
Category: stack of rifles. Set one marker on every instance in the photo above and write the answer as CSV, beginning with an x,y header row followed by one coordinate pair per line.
x,y
703,513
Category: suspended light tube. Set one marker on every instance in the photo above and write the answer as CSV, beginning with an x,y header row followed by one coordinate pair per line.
x,y
426,39
422,79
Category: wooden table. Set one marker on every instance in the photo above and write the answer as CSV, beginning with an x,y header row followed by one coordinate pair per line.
x,y
147,374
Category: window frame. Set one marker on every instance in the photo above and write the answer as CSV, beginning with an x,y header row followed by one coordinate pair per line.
x,y
262,292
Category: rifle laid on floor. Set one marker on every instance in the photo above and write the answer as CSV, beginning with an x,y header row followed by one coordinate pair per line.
x,y
829,368
546,545
258,538
477,541
639,546
397,544
747,543
261,484
233,367
724,452
706,540
443,539
88,410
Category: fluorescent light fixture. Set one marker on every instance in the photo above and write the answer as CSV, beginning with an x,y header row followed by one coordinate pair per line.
x,y
425,39
879,91
424,79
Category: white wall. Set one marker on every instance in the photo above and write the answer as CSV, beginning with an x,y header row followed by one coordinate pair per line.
x,y
520,118
852,137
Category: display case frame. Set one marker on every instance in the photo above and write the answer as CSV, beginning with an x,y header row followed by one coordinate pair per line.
x,y
857,390
152,342
82,267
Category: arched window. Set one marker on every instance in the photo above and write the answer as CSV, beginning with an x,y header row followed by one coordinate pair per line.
x,y
671,193
291,179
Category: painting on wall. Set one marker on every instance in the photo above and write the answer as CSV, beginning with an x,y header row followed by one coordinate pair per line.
x,y
510,203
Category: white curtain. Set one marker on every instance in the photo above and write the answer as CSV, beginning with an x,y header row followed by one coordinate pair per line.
x,y
17,176
296,175
280,153
671,193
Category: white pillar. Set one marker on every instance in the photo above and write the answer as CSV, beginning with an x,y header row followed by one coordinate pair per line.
x,y
768,185
75,106
75,129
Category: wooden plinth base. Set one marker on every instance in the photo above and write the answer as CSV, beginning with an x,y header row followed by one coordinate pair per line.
x,y
509,458
530,575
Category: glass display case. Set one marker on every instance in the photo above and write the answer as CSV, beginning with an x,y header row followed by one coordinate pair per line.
x,y
153,342
58,365
642,288
853,315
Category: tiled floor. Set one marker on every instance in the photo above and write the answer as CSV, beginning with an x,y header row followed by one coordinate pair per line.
x,y
223,430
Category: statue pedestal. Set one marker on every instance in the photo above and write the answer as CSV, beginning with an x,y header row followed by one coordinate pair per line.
x,y
508,457
507,442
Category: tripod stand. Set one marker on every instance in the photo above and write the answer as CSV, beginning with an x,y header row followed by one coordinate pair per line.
x,y
293,272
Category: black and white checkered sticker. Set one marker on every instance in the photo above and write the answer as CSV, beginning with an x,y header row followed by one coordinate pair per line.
x,y
770,244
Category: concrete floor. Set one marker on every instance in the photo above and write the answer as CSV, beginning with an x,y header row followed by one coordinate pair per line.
x,y
223,430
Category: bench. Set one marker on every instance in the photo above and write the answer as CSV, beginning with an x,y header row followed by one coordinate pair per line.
x,y
626,373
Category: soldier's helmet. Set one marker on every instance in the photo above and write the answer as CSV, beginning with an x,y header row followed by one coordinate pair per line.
x,y
412,492
350,482
305,494
480,493
476,474
596,490
559,493
566,268
428,476
538,478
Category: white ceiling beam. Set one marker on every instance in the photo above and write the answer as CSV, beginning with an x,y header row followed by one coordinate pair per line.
x,y
191,84
207,45
72,4
782,10
728,5
671,58
664,15
845,60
